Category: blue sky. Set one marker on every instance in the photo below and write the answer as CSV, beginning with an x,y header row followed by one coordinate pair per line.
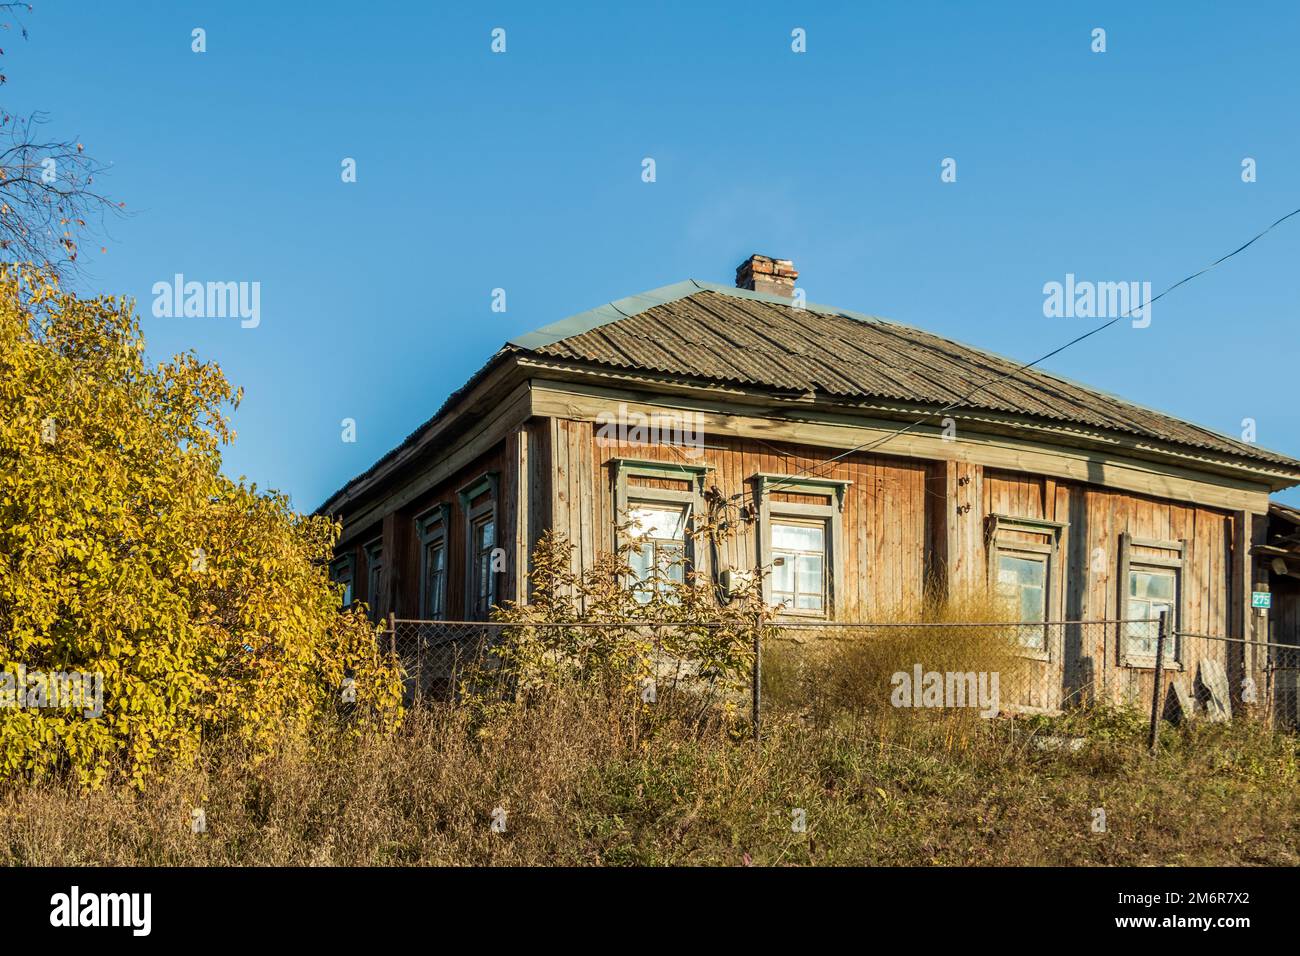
x,y
522,171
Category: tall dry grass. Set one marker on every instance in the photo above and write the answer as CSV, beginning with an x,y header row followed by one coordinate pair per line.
x,y
829,673
585,779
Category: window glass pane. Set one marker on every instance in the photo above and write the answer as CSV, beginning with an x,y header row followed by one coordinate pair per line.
x,y
1023,582
676,568
668,556
808,602
642,561
374,566
783,568
799,565
1141,636
798,537
435,556
1034,638
1151,591
655,521
341,573
810,573
1032,603
1152,584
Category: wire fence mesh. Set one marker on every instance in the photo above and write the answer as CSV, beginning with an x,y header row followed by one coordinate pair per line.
x,y
995,667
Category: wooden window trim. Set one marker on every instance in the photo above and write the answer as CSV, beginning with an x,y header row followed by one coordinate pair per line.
x,y
624,468
487,483
374,549
434,525
345,565
765,484
1053,549
1127,560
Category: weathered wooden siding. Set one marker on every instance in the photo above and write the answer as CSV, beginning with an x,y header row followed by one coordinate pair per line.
x,y
1096,518
884,518
401,578
905,522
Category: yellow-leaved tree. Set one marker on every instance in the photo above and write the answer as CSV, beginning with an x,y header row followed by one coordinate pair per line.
x,y
202,604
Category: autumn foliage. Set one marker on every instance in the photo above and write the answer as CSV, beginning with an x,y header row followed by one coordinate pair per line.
x,y
203,602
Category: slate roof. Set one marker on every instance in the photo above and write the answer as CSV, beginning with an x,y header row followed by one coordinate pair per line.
x,y
709,333
714,333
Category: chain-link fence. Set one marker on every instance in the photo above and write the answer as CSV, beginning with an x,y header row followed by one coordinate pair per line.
x,y
997,668
1216,678
1282,687
1035,667
437,657
434,655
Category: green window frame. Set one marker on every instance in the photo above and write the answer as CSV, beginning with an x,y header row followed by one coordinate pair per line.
x,y
772,513
1027,568
433,530
482,530
665,554
374,551
343,571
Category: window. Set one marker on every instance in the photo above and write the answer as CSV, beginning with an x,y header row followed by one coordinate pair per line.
x,y
482,543
1151,582
374,577
1023,582
431,532
799,542
435,580
799,565
478,500
341,573
654,503
1151,592
1025,572
658,558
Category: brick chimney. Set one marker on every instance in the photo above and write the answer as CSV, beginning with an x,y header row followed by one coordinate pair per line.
x,y
765,274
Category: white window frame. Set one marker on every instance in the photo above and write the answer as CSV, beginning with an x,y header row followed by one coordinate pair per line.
x,y
1177,563
765,485
824,554
434,526
1050,551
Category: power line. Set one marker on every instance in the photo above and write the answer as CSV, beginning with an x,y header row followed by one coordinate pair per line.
x,y
871,445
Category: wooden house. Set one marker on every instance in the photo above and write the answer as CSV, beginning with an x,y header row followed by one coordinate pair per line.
x,y
1278,556
1074,503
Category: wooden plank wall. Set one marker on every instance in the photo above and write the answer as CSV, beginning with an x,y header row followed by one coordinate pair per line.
x,y
400,584
1285,623
1096,518
900,517
884,512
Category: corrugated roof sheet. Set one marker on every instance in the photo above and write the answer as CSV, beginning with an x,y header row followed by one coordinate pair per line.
x,y
728,336
714,333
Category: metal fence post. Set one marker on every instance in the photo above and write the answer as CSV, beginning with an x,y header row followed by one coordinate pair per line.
x,y
1161,636
757,702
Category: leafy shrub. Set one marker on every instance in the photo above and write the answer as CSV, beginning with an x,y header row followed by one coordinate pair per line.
x,y
204,603
604,627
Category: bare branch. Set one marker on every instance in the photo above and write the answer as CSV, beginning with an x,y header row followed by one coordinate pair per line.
x,y
48,198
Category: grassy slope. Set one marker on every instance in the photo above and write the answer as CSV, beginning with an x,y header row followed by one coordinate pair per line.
x,y
584,782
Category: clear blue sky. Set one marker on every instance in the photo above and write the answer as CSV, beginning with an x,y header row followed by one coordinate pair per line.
x,y
523,171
